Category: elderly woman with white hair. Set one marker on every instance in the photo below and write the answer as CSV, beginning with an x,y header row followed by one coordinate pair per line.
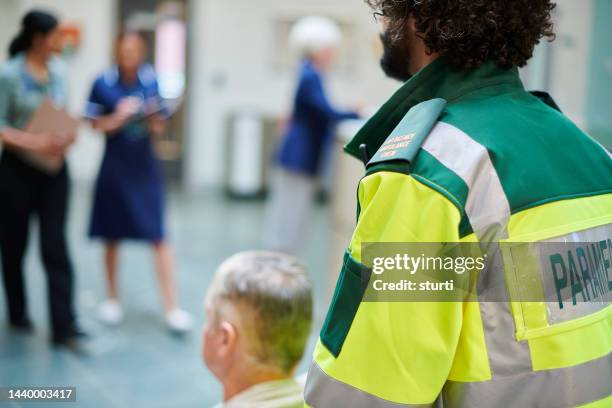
x,y
307,136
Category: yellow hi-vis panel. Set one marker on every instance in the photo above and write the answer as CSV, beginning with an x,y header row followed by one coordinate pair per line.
x,y
404,351
388,212
386,217
602,403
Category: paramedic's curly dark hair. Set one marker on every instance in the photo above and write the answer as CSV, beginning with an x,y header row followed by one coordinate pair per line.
x,y
470,32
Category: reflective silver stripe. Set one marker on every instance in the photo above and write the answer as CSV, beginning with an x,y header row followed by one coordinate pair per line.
x,y
488,211
323,391
561,387
487,206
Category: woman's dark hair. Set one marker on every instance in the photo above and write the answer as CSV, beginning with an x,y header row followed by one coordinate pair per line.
x,y
33,23
470,32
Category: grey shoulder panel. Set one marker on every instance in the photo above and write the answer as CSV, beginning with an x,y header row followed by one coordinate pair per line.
x,y
409,135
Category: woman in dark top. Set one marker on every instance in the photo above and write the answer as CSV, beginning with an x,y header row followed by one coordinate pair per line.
x,y
309,133
30,76
129,198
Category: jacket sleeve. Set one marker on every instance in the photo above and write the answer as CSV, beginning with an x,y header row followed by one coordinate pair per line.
x,y
379,353
313,95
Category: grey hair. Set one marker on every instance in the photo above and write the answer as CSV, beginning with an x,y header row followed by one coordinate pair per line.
x,y
272,295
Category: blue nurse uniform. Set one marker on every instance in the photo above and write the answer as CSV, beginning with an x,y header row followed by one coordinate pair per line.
x,y
129,193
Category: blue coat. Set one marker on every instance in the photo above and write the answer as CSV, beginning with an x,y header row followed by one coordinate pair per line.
x,y
311,124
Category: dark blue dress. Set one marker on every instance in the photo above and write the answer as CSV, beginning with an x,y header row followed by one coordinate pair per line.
x,y
129,193
311,124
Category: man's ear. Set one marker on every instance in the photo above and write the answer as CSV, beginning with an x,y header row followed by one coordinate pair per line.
x,y
411,27
229,338
411,24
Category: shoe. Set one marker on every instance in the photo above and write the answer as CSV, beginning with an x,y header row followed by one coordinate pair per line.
x,y
22,326
110,312
77,343
178,321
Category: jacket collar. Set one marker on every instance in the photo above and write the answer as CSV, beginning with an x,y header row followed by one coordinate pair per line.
x,y
436,80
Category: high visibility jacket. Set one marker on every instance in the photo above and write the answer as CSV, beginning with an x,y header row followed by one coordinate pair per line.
x,y
470,156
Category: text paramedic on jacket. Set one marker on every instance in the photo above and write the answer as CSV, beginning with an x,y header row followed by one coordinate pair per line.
x,y
492,162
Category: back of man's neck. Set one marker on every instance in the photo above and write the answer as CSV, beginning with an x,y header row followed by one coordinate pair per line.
x,y
243,381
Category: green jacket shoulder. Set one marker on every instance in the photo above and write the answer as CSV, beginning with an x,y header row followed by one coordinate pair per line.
x,y
404,142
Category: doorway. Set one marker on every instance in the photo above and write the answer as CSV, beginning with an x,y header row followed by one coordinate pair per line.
x,y
163,25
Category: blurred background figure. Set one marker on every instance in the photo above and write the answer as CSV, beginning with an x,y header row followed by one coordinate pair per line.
x,y
129,196
259,317
308,134
28,78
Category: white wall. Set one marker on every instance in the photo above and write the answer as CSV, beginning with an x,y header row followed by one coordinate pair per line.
x,y
97,20
570,58
231,69
9,23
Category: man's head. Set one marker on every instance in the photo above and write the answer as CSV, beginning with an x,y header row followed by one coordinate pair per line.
x,y
466,32
259,316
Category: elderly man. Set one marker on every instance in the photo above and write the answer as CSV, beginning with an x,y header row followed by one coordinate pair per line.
x,y
259,310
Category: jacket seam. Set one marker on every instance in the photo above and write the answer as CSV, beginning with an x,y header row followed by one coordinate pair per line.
x,y
559,197
424,181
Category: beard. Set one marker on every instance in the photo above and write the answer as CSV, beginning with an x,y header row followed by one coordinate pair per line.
x,y
395,59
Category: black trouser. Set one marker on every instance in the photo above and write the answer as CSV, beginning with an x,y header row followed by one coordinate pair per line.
x,y
24,191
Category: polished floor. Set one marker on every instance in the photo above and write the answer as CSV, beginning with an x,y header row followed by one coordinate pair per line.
x,y
139,364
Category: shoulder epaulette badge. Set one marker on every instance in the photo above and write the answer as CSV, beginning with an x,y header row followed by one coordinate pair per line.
x,y
410,134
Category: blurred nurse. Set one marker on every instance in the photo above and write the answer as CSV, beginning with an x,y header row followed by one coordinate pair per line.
x,y
309,133
129,197
29,77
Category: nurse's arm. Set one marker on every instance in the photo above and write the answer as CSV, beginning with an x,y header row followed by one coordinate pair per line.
x,y
108,123
46,143
53,144
43,143
112,122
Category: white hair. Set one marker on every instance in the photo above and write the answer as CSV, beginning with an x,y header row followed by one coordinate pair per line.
x,y
272,295
312,34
